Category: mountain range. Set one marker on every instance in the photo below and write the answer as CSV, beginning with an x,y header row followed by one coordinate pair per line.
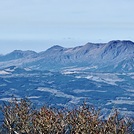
x,y
100,73
114,56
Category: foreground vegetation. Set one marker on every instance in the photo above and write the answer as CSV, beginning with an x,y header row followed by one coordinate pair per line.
x,y
21,118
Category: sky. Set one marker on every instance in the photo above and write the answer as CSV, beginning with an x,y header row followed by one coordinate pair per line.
x,y
39,24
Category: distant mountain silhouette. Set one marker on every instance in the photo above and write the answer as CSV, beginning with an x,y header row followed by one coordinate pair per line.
x,y
114,56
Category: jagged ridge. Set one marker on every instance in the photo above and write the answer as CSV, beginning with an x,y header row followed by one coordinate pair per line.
x,y
115,55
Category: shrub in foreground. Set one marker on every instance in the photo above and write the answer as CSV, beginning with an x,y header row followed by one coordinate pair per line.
x,y
20,118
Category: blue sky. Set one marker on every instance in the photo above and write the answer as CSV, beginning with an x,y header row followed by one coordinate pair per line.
x,y
40,24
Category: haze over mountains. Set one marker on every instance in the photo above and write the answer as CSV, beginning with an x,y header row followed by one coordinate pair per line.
x,y
114,56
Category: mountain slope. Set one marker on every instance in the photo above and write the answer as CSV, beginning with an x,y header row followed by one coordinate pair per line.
x,y
18,54
112,56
